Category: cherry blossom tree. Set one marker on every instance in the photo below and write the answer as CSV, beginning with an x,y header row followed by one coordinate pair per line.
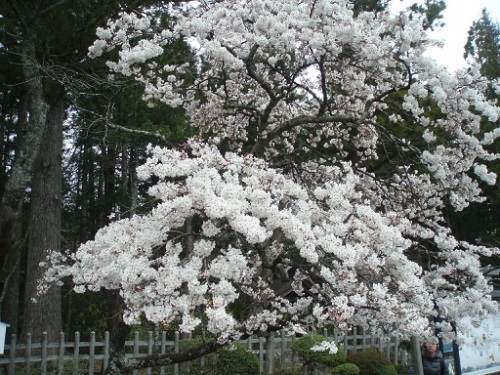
x,y
281,200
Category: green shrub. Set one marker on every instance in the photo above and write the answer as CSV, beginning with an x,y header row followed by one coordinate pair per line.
x,y
287,371
372,362
303,347
402,369
387,370
185,344
81,367
345,369
231,359
236,359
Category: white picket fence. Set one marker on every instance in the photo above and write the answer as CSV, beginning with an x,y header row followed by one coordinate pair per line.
x,y
89,357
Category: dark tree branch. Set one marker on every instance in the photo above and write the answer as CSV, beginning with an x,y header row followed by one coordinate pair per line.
x,y
305,120
53,7
156,360
253,74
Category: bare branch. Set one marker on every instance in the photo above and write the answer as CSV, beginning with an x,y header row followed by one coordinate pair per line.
x,y
53,7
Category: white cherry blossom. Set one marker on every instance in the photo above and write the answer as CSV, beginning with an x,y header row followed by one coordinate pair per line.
x,y
283,187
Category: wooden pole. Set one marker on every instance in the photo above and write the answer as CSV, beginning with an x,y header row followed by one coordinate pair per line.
x,y
416,356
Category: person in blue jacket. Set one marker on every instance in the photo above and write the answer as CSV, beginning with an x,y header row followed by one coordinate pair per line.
x,y
433,361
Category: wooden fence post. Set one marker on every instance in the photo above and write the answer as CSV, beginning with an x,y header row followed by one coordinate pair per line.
x,y
150,349
270,353
363,343
105,361
354,339
267,351
404,357
92,353
261,354
346,346
44,353
396,351
283,349
76,353
12,356
176,350
202,359
28,353
416,356
60,360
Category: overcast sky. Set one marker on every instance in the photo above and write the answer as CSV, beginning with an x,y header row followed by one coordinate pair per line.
x,y
458,18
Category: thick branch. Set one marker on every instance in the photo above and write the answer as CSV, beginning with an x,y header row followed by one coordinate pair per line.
x,y
30,142
253,74
53,7
394,89
156,360
260,145
305,119
139,132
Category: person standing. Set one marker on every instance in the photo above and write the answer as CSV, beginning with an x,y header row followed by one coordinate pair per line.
x,y
433,361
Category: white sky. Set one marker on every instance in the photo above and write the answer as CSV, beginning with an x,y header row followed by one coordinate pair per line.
x,y
458,18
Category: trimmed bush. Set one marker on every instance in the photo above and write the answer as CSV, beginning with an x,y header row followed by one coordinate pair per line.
x,y
402,369
372,362
287,371
345,369
387,370
194,367
231,359
303,347
236,359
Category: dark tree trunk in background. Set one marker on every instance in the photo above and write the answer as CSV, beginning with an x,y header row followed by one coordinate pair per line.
x,y
44,315
134,190
27,152
108,166
29,144
12,241
10,300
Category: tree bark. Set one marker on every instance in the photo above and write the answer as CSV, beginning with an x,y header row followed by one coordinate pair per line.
x,y
134,188
44,236
12,240
29,144
119,332
10,297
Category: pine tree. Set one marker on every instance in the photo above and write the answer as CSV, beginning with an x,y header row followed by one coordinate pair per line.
x,y
482,220
483,45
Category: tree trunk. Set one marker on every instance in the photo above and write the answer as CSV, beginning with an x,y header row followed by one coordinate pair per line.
x,y
12,240
134,189
28,146
10,298
29,141
44,236
119,331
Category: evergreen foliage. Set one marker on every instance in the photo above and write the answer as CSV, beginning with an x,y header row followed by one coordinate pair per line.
x,y
236,359
345,369
304,345
287,371
483,45
371,362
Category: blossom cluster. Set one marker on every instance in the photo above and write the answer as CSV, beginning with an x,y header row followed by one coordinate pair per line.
x,y
347,261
